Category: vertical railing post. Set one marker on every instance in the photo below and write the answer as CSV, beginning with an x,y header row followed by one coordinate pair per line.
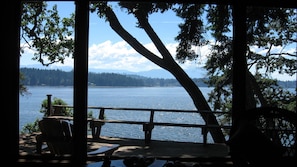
x,y
101,114
204,131
147,128
49,105
96,126
152,117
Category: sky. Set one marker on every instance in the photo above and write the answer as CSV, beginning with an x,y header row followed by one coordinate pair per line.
x,y
108,51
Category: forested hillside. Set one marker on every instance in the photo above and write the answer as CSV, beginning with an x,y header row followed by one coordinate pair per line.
x,y
39,77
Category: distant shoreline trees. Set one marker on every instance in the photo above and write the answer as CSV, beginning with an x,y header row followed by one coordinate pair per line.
x,y
43,77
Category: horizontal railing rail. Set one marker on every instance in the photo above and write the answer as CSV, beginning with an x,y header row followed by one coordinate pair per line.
x,y
97,123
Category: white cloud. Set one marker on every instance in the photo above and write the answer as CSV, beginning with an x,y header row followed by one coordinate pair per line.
x,y
120,56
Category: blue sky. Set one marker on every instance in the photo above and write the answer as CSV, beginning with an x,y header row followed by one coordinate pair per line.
x,y
108,51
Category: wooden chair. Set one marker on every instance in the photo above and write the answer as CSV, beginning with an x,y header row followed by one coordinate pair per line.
x,y
266,136
57,134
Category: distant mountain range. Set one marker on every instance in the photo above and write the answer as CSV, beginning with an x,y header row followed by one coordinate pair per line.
x,y
156,73
198,73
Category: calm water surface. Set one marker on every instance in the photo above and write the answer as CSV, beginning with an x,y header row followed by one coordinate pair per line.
x,y
134,97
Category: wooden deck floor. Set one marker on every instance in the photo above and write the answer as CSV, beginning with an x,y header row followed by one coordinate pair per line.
x,y
165,149
169,150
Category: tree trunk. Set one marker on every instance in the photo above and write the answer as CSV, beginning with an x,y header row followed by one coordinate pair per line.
x,y
199,101
168,63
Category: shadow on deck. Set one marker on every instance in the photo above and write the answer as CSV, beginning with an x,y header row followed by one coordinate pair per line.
x,y
194,153
165,149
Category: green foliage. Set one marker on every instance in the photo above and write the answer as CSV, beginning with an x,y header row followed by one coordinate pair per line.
x,y
50,36
47,33
30,128
33,127
90,114
22,88
191,31
267,30
57,110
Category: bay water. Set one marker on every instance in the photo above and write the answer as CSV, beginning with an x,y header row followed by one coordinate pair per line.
x,y
130,97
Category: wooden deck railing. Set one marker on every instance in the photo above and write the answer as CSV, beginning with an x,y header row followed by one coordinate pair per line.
x,y
97,123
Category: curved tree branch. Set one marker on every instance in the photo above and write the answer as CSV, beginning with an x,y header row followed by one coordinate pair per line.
x,y
168,63
117,27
